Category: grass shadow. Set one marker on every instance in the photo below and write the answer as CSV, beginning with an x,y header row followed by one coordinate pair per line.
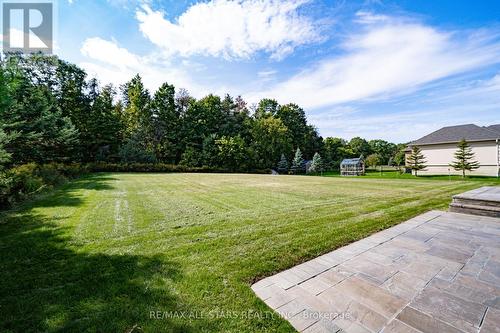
x,y
67,194
49,284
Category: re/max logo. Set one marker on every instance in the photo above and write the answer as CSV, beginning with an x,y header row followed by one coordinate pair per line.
x,y
27,27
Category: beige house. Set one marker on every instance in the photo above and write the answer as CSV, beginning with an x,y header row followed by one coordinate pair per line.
x,y
440,146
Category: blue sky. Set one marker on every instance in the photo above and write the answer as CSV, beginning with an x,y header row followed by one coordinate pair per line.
x,y
394,70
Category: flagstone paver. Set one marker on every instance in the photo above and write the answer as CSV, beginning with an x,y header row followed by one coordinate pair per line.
x,y
438,272
491,322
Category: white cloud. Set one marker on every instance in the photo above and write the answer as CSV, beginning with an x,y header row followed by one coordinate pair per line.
x,y
109,52
368,17
388,56
111,63
266,75
231,29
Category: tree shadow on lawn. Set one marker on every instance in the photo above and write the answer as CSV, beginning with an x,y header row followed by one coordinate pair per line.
x,y
67,195
48,284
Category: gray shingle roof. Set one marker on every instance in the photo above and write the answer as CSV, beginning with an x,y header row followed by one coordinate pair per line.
x,y
494,128
469,132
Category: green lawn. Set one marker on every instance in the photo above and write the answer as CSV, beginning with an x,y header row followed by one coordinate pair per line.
x,y
393,174
104,251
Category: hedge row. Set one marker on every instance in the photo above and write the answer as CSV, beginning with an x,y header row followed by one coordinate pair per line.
x,y
21,182
160,167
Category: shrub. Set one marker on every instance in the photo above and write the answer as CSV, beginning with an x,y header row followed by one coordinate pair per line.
x,y
21,182
26,179
50,174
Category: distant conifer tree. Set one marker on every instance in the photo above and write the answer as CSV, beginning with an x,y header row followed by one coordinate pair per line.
x,y
298,164
464,158
283,165
416,160
317,164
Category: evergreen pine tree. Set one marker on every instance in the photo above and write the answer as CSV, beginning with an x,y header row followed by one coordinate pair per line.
x,y
166,123
4,155
137,106
317,164
416,161
464,158
283,165
298,165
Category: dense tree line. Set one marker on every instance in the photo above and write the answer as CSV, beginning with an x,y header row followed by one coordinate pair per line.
x,y
50,111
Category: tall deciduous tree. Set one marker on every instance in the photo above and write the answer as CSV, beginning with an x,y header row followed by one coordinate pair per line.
x,y
416,161
294,118
359,147
385,150
231,153
464,158
334,152
182,101
269,139
267,108
313,142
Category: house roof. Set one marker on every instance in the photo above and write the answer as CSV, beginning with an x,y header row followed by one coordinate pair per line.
x,y
494,128
469,132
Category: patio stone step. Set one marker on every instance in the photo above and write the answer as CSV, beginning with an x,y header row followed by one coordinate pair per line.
x,y
484,201
481,210
477,202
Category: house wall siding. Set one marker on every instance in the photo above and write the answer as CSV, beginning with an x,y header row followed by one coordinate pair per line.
x,y
440,156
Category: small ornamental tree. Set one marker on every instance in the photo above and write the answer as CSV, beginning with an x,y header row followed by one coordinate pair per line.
x,y
283,164
399,159
416,160
373,160
464,158
298,164
317,164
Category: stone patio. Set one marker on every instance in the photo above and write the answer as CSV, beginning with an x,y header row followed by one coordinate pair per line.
x,y
438,272
483,201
